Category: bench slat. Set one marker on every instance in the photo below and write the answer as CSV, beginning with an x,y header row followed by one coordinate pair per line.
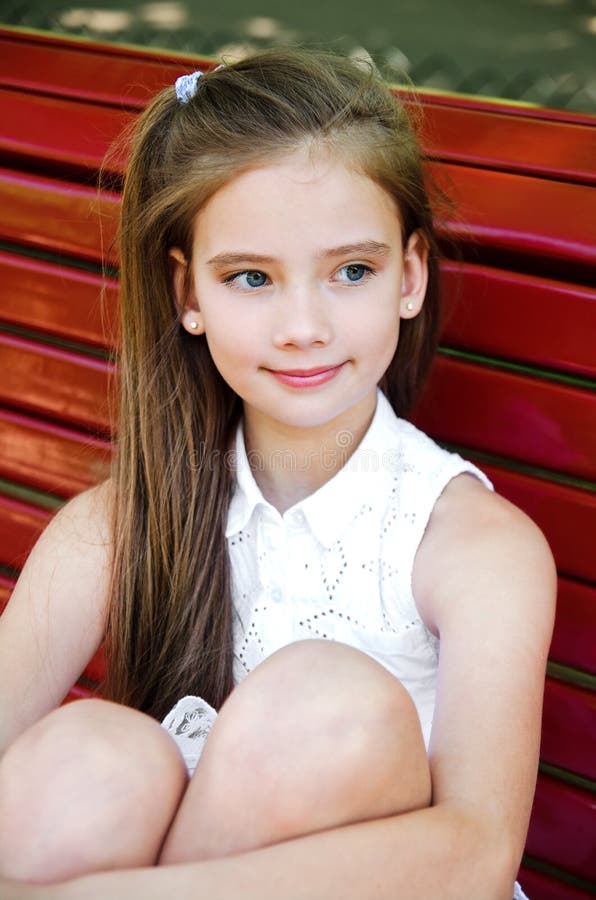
x,y
562,827
532,420
513,214
6,586
59,300
568,737
521,317
553,506
57,383
539,886
49,457
40,129
57,216
120,76
574,638
494,140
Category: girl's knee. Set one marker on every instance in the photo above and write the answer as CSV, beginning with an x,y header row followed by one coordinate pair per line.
x,y
341,690
95,739
76,788
324,716
319,735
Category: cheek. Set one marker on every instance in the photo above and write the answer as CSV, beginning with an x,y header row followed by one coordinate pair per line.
x,y
383,328
231,343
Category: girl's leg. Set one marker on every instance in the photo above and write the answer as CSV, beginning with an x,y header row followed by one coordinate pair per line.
x,y
92,786
319,735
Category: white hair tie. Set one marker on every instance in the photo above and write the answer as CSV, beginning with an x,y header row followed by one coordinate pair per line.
x,y
186,85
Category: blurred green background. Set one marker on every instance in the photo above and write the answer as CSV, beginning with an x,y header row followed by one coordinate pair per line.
x,y
541,51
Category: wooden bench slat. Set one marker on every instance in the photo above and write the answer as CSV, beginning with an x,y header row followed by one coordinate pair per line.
x,y
49,457
574,637
520,317
562,827
538,422
6,586
45,130
494,140
54,382
57,216
515,214
59,300
539,886
553,507
116,75
568,736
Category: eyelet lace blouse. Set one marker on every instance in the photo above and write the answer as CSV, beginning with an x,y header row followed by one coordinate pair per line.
x,y
337,565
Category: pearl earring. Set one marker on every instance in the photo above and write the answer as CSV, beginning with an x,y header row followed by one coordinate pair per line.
x,y
409,307
194,325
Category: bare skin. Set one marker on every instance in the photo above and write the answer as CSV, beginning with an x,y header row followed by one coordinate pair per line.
x,y
482,757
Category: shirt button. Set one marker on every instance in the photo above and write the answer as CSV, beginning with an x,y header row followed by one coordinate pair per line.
x,y
276,595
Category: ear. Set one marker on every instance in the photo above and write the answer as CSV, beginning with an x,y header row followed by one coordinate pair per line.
x,y
415,276
186,301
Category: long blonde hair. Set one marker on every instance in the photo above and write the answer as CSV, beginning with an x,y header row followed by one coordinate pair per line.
x,y
169,629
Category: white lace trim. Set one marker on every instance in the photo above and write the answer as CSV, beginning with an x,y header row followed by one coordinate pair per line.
x,y
189,723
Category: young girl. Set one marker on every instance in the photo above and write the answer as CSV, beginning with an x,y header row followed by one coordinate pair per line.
x,y
369,619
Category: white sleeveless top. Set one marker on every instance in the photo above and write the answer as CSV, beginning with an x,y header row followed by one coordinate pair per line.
x,y
337,565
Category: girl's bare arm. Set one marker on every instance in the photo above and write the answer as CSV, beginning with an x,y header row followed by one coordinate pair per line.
x,y
484,580
54,621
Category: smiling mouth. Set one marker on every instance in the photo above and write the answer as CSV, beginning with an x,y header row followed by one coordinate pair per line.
x,y
306,377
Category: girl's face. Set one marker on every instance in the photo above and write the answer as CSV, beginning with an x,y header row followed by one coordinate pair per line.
x,y
299,281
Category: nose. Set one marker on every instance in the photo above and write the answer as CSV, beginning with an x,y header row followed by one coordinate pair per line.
x,y
301,319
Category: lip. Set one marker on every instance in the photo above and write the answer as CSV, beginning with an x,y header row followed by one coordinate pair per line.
x,y
305,378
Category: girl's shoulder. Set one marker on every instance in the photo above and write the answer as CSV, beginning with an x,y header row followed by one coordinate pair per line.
x,y
77,542
476,540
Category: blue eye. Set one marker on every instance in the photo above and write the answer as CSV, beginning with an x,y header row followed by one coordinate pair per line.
x,y
354,272
251,278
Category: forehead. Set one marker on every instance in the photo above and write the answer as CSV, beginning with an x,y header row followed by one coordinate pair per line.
x,y
313,197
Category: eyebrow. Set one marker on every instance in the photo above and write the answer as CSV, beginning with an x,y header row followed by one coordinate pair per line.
x,y
365,248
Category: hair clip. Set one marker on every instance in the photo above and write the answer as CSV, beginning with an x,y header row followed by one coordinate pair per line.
x,y
186,86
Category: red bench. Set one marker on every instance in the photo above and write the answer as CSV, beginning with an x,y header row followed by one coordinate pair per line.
x,y
513,386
